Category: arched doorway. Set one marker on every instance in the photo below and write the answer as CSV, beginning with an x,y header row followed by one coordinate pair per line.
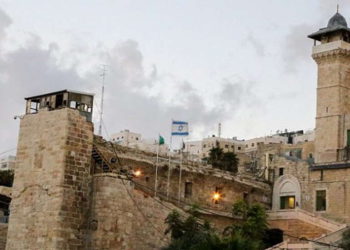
x,y
286,193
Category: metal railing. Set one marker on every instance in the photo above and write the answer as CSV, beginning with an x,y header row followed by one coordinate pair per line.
x,y
343,154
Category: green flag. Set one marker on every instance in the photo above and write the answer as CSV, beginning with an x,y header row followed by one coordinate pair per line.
x,y
161,140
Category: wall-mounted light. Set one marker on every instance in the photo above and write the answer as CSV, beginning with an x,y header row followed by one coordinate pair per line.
x,y
137,173
216,196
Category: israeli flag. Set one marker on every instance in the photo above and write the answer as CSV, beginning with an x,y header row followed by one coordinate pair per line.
x,y
179,128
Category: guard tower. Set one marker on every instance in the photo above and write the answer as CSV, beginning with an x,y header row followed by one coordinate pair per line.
x,y
62,99
50,204
331,52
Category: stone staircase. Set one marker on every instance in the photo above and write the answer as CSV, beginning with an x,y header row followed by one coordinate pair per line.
x,y
329,240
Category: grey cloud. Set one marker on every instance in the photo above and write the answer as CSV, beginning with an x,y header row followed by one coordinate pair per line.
x,y
256,44
5,21
297,47
33,69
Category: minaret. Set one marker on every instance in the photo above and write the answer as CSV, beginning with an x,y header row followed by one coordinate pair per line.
x,y
331,52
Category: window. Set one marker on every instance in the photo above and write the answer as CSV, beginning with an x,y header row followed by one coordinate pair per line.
x,y
252,144
287,202
321,175
321,200
348,138
280,171
226,146
204,146
239,148
188,189
73,104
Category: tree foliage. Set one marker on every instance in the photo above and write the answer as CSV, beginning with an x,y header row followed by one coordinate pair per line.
x,y
345,244
223,160
6,178
193,234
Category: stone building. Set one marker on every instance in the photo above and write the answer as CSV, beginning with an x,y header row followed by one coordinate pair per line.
x,y
7,163
74,190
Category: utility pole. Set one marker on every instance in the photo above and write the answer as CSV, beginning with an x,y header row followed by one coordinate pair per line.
x,y
102,75
219,132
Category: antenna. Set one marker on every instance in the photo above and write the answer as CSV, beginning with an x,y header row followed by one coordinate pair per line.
x,y
102,75
219,130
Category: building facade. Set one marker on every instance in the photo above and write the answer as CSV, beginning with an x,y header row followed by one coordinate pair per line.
x,y
7,163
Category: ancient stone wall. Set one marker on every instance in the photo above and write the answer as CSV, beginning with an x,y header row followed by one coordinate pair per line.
x,y
204,181
125,218
3,235
336,183
294,229
50,191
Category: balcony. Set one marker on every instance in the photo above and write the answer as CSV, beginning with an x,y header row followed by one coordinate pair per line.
x,y
343,154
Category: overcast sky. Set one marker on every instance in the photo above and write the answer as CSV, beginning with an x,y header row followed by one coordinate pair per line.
x,y
245,64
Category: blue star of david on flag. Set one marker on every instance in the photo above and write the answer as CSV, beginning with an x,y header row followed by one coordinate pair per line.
x,y
179,128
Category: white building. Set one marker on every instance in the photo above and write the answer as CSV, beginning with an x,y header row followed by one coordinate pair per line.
x,y
252,144
193,147
202,148
134,140
7,163
308,136
150,145
125,137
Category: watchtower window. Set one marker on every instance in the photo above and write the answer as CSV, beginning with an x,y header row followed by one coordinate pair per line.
x,y
59,101
34,106
73,104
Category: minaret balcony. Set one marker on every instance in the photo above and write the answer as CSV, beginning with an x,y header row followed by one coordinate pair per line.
x,y
330,46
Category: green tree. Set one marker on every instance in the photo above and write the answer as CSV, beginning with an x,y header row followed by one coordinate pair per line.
x,y
191,234
345,244
6,178
223,160
252,226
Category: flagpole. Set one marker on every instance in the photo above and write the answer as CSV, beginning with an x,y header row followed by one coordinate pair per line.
x,y
157,163
168,184
180,175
